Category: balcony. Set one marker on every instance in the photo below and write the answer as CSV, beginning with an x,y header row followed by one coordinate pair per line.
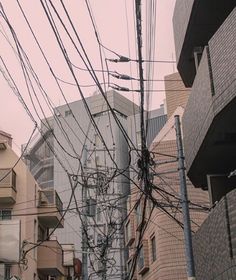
x,y
195,22
209,119
7,186
50,258
41,166
50,209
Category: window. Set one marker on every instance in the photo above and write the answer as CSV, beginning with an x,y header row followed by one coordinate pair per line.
x,y
7,272
13,179
141,259
68,113
5,214
99,240
99,214
42,233
138,215
127,231
97,140
97,160
153,248
138,137
91,207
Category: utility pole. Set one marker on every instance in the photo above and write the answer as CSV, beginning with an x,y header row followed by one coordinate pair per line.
x,y
84,218
184,203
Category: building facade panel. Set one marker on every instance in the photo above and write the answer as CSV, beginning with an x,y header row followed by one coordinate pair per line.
x,y
222,48
176,93
170,262
211,104
198,113
214,243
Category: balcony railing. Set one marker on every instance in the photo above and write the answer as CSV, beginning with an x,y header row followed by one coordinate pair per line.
x,y
50,198
50,258
7,186
42,165
50,208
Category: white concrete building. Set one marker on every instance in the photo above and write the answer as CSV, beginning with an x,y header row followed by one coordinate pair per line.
x,y
105,155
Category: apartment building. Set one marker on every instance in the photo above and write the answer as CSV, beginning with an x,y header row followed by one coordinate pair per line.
x,y
27,214
162,254
205,33
88,135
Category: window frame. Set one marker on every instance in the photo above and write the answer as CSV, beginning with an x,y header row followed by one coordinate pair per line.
x,y
153,247
2,215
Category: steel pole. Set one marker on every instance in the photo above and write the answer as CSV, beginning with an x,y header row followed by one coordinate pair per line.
x,y
184,203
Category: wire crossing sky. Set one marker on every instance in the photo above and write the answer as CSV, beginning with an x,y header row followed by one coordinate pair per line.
x,y
115,31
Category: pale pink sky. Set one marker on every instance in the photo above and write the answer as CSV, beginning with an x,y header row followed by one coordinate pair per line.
x,y
110,16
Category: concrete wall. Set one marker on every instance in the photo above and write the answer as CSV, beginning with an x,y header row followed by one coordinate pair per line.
x,y
118,156
215,242
25,203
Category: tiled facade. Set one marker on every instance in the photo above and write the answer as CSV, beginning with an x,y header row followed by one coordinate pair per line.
x,y
170,262
176,93
209,127
214,243
211,93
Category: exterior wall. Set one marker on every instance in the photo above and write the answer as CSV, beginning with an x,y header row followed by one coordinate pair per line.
x,y
25,203
182,13
214,243
211,95
176,93
7,137
25,209
170,263
198,113
195,22
223,56
73,139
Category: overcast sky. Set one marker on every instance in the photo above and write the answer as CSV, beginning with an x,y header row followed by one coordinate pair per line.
x,y
115,26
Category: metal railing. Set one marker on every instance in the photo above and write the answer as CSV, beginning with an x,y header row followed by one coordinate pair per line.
x,y
50,198
8,178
